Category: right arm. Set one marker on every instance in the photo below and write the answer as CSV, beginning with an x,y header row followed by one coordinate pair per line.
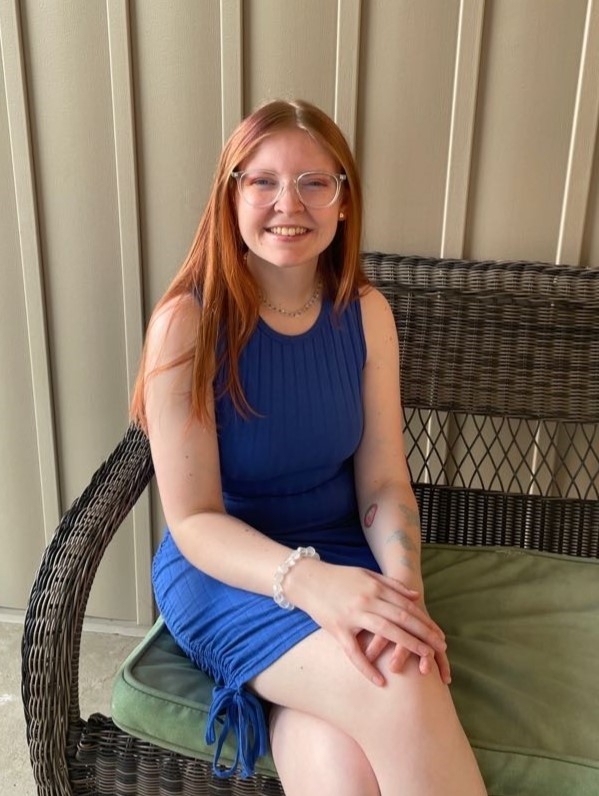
x,y
186,462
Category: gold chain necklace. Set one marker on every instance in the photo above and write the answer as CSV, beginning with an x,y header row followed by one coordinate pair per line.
x,y
294,313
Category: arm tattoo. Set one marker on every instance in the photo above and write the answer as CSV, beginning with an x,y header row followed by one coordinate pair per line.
x,y
405,561
410,515
405,540
370,515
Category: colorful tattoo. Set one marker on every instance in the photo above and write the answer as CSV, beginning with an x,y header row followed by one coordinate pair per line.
x,y
370,515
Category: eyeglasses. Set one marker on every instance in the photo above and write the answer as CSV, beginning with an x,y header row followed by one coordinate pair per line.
x,y
263,188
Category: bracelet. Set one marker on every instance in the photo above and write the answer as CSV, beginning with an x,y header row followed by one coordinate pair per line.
x,y
277,587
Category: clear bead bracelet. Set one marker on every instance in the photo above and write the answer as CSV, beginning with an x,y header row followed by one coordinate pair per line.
x,y
278,594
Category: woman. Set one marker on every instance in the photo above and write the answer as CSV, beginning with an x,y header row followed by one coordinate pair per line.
x,y
269,389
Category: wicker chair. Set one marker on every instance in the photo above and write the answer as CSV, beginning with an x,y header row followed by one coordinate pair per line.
x,y
500,368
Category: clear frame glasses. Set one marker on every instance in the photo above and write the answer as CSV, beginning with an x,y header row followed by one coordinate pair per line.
x,y
316,189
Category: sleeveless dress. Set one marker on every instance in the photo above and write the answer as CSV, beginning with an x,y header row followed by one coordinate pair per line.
x,y
288,472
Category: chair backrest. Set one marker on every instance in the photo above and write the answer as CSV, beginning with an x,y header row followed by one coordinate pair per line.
x,y
500,386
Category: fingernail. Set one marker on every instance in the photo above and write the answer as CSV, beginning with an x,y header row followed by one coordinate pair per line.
x,y
378,679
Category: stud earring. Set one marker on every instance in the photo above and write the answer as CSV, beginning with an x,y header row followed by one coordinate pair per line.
x,y
341,216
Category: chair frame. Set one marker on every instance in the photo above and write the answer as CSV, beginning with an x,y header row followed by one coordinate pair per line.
x,y
507,343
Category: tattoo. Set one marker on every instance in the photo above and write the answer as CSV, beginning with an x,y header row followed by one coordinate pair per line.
x,y
405,540
410,515
405,561
370,515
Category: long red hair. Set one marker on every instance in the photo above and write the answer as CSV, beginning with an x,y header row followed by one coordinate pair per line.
x,y
214,268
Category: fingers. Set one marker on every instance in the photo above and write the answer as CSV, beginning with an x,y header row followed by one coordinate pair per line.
x,y
363,660
394,587
360,661
444,668
398,659
375,647
399,623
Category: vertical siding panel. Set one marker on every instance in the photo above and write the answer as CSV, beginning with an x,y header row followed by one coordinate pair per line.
x,y
31,260
584,133
29,485
289,52
590,246
176,68
73,143
347,67
461,132
526,99
406,77
231,60
126,177
176,55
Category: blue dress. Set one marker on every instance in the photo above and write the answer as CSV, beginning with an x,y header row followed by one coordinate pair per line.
x,y
288,472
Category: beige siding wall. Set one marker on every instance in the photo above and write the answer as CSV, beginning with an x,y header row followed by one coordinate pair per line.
x,y
474,124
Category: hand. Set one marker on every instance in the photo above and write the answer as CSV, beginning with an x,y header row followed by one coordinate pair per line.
x,y
377,644
346,600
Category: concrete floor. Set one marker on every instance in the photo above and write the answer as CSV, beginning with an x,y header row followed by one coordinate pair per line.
x,y
101,656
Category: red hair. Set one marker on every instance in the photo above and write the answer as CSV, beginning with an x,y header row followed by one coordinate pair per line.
x,y
214,269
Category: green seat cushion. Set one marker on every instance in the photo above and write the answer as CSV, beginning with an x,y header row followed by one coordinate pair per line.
x,y
523,635
160,696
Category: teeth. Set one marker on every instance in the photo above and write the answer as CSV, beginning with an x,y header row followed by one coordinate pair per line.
x,y
290,231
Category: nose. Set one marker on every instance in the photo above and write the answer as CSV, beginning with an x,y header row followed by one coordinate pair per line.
x,y
289,200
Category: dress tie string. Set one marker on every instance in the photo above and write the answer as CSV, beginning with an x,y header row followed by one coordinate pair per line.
x,y
238,710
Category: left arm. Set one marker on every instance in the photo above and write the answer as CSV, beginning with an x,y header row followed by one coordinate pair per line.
x,y
388,508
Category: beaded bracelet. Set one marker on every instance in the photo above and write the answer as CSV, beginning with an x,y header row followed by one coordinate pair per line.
x,y
291,560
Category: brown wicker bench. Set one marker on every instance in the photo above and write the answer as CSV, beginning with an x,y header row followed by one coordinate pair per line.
x,y
500,379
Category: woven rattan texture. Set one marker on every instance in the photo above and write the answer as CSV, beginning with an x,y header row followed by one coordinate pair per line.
x,y
500,384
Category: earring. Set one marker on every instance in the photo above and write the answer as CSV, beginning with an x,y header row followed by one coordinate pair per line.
x,y
341,216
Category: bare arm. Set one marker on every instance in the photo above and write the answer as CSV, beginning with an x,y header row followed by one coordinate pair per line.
x,y
388,508
186,461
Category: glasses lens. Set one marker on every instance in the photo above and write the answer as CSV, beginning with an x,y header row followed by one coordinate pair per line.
x,y
317,189
260,188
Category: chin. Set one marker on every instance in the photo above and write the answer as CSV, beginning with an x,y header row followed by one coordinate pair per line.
x,y
288,259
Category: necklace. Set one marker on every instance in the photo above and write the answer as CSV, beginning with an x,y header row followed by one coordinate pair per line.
x,y
294,313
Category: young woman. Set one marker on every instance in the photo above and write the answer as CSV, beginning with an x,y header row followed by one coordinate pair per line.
x,y
290,570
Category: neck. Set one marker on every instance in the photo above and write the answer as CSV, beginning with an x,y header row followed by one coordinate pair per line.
x,y
286,286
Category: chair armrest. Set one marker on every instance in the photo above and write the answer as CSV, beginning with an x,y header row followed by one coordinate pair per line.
x,y
54,617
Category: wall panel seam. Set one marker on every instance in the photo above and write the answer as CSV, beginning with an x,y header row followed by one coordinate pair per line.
x,y
19,128
582,144
119,41
347,65
461,133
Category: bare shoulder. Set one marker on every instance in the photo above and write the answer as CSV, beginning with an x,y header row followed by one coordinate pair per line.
x,y
377,319
172,330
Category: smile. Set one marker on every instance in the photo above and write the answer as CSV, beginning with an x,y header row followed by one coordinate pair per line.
x,y
290,232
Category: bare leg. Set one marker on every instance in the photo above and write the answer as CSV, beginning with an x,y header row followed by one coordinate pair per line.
x,y
313,758
408,729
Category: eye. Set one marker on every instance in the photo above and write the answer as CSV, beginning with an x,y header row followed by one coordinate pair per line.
x,y
261,180
315,182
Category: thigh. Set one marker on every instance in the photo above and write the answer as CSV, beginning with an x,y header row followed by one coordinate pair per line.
x,y
317,677
400,726
313,757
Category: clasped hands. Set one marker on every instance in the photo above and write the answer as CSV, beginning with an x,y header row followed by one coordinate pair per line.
x,y
350,600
